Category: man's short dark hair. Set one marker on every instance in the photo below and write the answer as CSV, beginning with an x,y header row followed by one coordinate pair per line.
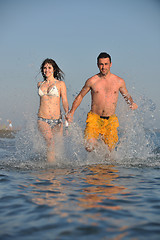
x,y
103,55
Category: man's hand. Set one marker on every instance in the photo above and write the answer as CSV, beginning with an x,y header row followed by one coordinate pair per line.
x,y
134,106
69,117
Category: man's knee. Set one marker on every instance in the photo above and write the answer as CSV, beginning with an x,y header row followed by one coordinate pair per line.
x,y
90,144
89,148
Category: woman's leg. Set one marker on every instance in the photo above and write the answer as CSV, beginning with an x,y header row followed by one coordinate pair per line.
x,y
47,133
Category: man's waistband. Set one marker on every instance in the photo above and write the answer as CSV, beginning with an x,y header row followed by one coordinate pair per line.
x,y
104,117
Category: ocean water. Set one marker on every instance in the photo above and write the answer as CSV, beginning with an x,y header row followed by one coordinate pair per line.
x,y
82,195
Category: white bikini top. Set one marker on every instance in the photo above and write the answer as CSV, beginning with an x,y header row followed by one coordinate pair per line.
x,y
52,92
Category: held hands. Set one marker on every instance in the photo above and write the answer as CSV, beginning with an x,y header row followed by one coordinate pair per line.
x,y
134,106
69,117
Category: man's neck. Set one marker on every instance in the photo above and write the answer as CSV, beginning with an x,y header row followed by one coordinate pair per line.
x,y
104,76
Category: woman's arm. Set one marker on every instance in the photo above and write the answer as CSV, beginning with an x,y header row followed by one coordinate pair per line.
x,y
64,97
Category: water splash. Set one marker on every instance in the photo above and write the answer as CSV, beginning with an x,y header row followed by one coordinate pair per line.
x,y
137,135
138,143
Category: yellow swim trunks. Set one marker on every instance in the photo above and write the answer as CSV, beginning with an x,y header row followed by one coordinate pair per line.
x,y
96,125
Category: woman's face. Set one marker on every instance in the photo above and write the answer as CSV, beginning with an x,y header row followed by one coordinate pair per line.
x,y
48,70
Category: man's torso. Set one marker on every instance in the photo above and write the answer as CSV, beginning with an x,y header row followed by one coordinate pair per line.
x,y
104,92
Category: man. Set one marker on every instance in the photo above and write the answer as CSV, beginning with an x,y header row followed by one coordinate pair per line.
x,y
101,120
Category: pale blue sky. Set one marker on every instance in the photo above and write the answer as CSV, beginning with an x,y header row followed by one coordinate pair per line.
x,y
73,33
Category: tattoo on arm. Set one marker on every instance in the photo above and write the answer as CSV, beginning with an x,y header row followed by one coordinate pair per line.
x,y
128,99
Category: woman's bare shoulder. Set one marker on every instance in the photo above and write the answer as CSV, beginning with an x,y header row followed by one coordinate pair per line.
x,y
39,84
62,84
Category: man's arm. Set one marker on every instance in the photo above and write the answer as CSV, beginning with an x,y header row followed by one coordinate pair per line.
x,y
127,96
86,88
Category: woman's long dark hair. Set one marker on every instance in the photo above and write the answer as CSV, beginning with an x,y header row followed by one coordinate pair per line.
x,y
58,73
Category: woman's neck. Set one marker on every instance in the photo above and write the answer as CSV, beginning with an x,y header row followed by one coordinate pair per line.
x,y
50,79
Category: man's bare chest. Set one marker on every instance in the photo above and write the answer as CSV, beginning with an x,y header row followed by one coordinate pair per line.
x,y
105,89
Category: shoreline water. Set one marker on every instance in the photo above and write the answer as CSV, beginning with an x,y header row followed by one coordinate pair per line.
x,y
81,197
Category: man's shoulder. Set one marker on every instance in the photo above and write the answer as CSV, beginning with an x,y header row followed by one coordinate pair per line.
x,y
117,78
93,78
91,81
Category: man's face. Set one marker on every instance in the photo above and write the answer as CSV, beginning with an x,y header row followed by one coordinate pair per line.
x,y
104,66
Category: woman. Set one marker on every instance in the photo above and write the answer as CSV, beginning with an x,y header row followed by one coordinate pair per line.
x,y
51,90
